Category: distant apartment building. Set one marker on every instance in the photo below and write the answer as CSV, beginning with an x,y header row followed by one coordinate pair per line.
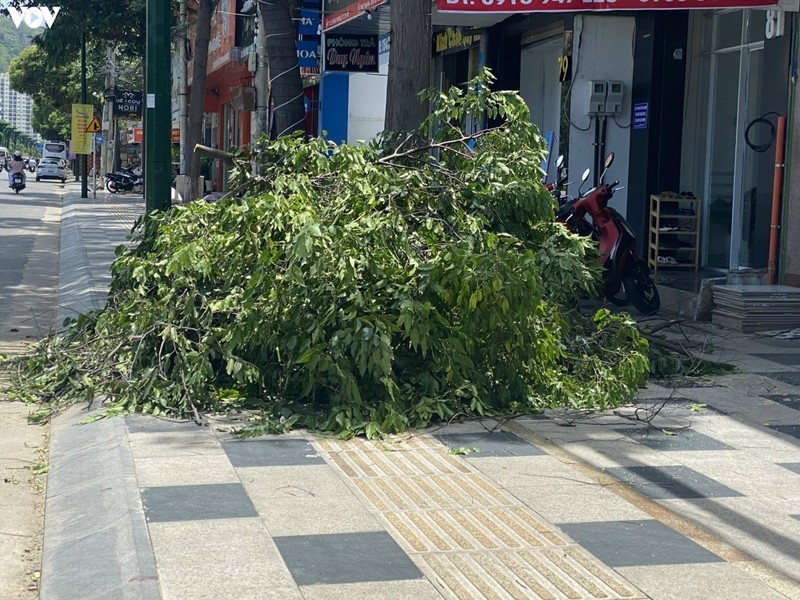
x,y
15,108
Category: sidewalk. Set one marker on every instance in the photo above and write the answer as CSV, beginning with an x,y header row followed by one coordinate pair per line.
x,y
563,506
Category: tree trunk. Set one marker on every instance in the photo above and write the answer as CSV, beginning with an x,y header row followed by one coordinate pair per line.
x,y
289,112
202,36
409,64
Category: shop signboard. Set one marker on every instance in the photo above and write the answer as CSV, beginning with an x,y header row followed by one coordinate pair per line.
x,y
456,38
127,104
338,12
528,6
351,53
307,54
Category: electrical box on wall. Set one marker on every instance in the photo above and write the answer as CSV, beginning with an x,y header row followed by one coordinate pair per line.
x,y
614,98
597,97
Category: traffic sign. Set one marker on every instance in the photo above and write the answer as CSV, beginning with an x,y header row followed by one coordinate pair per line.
x,y
98,138
94,126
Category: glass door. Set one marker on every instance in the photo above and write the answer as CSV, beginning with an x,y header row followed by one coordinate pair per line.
x,y
722,157
732,224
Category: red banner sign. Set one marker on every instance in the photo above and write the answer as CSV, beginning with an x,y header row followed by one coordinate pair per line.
x,y
527,6
338,12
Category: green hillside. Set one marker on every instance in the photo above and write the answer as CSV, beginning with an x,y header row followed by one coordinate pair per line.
x,y
12,41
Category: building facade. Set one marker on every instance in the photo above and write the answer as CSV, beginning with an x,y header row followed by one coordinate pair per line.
x,y
15,108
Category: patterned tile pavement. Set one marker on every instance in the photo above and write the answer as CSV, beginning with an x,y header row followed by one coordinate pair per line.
x,y
688,499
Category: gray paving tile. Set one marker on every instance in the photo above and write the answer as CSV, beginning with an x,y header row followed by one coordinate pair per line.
x,y
788,400
196,502
786,429
345,558
791,466
790,377
637,543
138,423
779,342
684,382
789,359
486,443
271,453
676,406
684,440
671,481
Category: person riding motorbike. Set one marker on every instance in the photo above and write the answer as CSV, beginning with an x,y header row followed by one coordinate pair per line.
x,y
17,165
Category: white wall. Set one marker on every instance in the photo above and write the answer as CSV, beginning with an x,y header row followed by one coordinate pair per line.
x,y
367,107
541,90
602,49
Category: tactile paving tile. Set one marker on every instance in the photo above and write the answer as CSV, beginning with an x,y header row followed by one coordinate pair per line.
x,y
473,539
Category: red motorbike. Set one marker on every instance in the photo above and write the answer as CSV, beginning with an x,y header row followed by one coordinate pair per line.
x,y
626,276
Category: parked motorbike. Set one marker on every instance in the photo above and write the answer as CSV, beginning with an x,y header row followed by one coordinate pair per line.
x,y
626,276
17,182
124,180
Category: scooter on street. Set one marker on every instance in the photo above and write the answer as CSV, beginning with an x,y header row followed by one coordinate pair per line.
x,y
17,182
626,275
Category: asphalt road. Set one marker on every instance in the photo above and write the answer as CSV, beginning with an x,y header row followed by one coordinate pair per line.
x,y
30,243
30,224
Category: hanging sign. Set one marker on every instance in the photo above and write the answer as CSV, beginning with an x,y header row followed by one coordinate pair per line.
x,y
127,104
351,53
528,6
307,54
309,22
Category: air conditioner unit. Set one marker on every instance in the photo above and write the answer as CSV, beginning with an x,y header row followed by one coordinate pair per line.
x,y
243,97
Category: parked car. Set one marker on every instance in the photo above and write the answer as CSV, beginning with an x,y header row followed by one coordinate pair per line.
x,y
51,168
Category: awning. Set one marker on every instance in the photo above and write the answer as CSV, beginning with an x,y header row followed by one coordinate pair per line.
x,y
339,12
530,6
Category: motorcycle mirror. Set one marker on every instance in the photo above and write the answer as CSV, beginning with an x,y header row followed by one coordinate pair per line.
x,y
607,163
584,177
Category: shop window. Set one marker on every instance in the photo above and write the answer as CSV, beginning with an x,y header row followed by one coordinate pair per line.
x,y
729,30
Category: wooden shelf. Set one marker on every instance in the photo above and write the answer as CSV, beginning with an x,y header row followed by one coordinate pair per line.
x,y
668,213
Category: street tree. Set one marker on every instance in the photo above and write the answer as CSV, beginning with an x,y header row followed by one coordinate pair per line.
x,y
409,64
278,18
202,37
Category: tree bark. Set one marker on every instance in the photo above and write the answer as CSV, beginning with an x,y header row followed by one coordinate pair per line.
x,y
288,114
409,64
202,36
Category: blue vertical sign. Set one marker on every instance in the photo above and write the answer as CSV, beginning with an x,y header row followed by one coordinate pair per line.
x,y
640,110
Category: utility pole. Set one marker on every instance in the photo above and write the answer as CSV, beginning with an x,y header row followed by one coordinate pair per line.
x,y
183,94
262,74
84,162
158,117
108,110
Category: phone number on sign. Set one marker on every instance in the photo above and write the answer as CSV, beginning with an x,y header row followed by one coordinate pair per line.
x,y
492,4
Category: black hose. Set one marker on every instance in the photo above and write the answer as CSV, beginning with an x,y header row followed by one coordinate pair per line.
x,y
760,120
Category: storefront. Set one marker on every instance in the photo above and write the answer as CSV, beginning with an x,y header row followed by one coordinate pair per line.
x,y
696,94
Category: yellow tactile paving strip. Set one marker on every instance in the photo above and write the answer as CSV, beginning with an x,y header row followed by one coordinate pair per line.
x,y
472,539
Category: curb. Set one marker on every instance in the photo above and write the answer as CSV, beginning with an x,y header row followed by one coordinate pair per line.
x,y
95,529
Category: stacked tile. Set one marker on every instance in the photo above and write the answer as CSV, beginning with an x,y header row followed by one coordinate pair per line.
x,y
750,308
